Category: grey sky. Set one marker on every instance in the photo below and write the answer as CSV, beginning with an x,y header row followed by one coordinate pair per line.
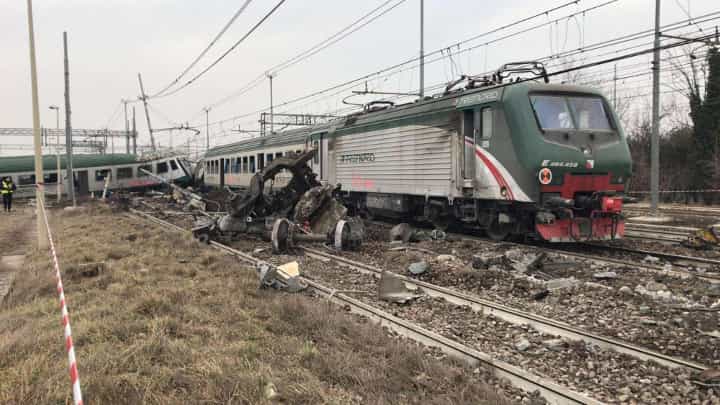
x,y
112,40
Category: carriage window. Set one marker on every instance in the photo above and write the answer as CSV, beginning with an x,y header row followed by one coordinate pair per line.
x,y
173,165
316,146
124,173
100,175
162,167
278,155
147,168
269,157
552,112
50,178
245,164
589,113
26,179
252,164
260,161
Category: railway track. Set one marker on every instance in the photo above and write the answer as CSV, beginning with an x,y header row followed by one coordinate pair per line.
x,y
657,233
551,391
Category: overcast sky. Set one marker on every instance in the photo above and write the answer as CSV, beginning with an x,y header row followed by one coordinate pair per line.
x,y
112,40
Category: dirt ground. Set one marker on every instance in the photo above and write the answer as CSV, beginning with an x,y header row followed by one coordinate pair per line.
x,y
170,321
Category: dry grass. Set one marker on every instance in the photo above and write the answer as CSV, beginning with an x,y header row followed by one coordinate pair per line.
x,y
170,321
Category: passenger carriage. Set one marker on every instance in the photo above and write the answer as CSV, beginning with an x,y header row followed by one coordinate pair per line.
x,y
91,170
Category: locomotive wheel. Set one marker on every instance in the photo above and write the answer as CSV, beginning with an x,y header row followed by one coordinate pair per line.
x,y
498,232
281,236
203,238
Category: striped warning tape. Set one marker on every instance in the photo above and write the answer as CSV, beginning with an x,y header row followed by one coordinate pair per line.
x,y
74,377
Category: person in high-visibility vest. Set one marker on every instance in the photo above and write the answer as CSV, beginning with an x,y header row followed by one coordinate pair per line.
x,y
7,187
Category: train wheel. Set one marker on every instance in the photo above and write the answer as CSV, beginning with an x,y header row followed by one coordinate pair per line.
x,y
497,231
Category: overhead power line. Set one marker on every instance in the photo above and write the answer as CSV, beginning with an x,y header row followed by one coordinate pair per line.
x,y
318,47
226,53
358,24
441,50
206,50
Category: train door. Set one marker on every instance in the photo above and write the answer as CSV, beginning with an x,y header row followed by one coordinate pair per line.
x,y
83,186
470,127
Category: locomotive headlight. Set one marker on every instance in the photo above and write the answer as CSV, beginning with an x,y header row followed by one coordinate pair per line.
x,y
503,191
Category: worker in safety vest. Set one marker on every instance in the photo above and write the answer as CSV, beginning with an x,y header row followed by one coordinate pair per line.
x,y
7,187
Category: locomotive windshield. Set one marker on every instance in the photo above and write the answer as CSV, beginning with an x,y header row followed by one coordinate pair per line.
x,y
562,112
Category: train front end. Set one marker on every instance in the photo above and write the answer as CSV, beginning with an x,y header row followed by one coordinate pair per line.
x,y
577,159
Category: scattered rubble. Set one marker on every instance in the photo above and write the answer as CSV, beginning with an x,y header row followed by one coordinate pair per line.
x,y
419,268
522,344
605,275
393,289
285,277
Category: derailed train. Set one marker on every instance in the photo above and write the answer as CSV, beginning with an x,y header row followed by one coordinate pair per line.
x,y
528,158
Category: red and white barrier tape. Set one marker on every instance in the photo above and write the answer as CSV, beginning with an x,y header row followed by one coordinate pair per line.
x,y
74,377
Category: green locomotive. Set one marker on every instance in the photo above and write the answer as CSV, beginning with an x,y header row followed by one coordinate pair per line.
x,y
517,158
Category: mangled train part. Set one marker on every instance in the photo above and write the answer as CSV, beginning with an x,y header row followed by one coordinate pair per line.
x,y
302,210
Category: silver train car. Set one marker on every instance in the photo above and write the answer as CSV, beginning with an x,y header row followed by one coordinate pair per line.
x,y
91,170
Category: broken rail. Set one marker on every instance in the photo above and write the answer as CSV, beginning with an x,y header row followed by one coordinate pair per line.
x,y
551,391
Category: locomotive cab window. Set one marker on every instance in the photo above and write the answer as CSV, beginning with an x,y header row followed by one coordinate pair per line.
x,y
173,165
567,113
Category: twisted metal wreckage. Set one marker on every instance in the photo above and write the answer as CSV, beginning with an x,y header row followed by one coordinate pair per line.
x,y
303,210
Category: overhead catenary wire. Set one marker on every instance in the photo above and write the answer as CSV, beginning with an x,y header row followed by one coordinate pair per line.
x,y
227,52
585,49
441,50
206,50
324,44
256,82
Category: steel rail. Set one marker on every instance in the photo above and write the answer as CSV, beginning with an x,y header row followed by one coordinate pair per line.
x,y
551,391
518,317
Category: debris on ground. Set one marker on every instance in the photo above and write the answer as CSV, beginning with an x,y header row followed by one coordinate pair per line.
x,y
561,283
402,232
445,258
419,268
393,289
285,277
522,344
651,259
270,392
486,260
706,238
605,275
